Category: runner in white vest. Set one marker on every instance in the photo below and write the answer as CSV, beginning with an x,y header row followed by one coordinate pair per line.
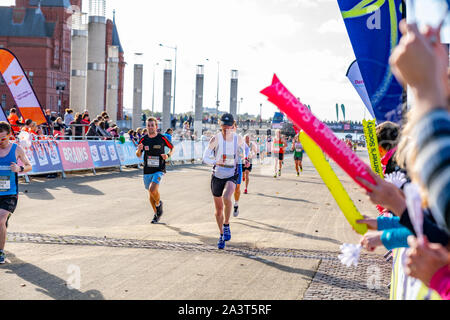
x,y
225,152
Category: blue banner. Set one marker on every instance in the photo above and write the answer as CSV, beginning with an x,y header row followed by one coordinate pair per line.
x,y
104,154
44,157
127,153
373,30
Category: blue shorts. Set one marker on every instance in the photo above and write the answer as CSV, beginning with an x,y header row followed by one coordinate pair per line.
x,y
239,180
155,178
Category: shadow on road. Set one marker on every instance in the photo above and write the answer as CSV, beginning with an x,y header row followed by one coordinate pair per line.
x,y
282,230
283,198
213,242
38,188
48,284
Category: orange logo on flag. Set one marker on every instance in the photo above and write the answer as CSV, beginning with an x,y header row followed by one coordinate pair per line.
x,y
16,80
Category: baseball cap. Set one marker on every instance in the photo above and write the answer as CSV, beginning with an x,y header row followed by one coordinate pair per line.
x,y
227,119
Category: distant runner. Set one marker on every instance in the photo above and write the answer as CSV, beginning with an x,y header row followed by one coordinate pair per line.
x,y
279,144
250,151
297,147
225,152
153,144
10,153
237,192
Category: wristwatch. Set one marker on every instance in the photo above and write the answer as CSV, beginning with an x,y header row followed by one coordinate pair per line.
x,y
22,168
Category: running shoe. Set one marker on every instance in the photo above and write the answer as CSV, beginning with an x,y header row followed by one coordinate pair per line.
x,y
298,174
236,211
245,191
279,173
301,169
226,233
275,175
2,257
155,218
221,243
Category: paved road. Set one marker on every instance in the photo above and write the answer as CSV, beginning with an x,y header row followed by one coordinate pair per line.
x,y
284,243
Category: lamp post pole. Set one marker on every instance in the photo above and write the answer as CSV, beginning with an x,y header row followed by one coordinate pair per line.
x,y
153,94
174,76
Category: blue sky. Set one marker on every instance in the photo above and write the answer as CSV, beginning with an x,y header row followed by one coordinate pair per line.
x,y
303,41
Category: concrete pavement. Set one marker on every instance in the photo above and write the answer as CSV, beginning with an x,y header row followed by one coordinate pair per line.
x,y
99,227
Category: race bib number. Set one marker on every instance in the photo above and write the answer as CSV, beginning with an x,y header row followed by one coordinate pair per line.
x,y
228,161
153,162
5,183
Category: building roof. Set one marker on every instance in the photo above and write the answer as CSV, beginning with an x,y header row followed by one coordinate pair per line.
x,y
33,25
115,36
51,3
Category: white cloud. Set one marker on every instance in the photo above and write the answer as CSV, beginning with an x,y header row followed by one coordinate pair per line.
x,y
333,26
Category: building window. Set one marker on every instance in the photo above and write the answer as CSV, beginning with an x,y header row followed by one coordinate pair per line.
x,y
30,77
2,81
4,100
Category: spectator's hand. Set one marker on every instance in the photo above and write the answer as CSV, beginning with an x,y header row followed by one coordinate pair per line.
x,y
372,224
140,147
371,240
425,260
416,61
164,156
385,194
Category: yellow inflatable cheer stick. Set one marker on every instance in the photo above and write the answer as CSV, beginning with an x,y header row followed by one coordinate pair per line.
x,y
336,188
372,147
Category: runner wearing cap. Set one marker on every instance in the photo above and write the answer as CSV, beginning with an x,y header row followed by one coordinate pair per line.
x,y
153,146
10,153
225,152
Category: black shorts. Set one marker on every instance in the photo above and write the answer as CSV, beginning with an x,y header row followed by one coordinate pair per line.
x,y
218,185
298,158
8,203
247,169
281,156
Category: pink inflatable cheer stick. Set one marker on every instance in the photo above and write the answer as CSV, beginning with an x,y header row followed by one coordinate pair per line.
x,y
318,131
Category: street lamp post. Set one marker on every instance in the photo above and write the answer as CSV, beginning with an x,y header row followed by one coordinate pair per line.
x,y
260,115
174,76
217,96
153,94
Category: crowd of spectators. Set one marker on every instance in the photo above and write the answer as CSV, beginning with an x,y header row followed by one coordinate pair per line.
x,y
77,126
417,153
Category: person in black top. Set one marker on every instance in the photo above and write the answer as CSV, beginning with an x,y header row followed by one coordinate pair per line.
x,y
152,145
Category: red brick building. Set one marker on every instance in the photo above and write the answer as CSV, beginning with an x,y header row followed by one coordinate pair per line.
x,y
38,32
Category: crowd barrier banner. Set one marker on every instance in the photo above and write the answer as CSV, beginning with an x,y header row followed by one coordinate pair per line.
x,y
372,146
331,180
44,157
75,155
104,154
404,287
127,153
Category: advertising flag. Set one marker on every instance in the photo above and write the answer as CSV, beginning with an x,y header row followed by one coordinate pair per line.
x,y
20,87
373,30
355,77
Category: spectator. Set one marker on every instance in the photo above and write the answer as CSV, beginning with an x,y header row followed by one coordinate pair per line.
x,y
86,121
59,128
101,131
93,131
13,120
68,117
77,126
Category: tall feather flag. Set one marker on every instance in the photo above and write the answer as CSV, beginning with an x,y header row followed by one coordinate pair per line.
x,y
372,26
